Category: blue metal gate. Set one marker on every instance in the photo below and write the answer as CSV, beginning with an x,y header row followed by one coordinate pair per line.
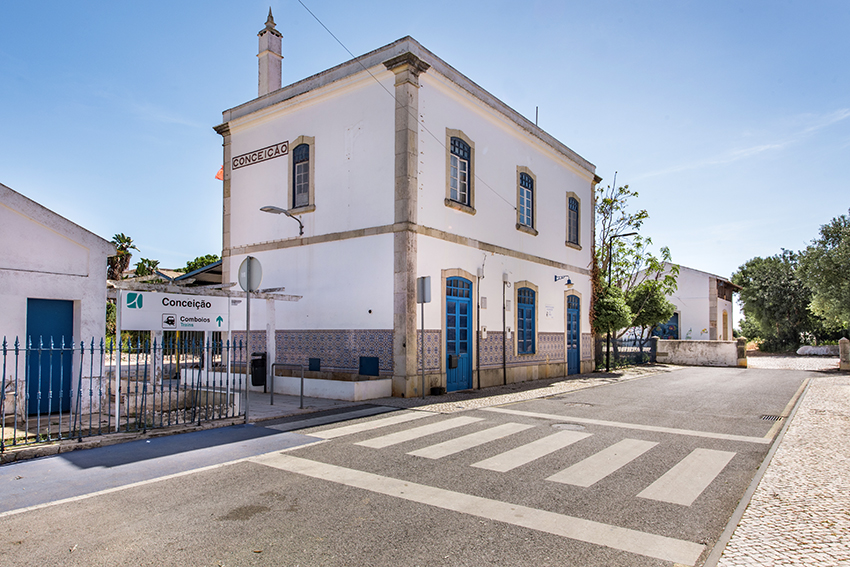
x,y
573,334
458,334
50,324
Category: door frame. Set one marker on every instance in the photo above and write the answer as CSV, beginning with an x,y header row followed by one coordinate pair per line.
x,y
473,347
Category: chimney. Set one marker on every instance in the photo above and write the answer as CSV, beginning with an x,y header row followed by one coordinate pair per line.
x,y
269,57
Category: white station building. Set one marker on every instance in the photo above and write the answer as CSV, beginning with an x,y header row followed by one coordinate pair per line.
x,y
397,167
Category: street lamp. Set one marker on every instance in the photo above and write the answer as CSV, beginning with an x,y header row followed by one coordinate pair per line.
x,y
278,211
610,262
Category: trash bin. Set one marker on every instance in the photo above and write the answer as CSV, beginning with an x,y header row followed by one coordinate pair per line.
x,y
258,369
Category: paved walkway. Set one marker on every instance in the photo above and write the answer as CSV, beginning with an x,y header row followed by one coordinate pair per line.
x,y
800,512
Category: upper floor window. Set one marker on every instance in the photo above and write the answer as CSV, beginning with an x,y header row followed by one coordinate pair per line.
x,y
302,173
526,199
301,176
459,171
573,222
525,320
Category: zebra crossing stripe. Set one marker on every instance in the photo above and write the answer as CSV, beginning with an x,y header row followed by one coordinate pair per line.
x,y
686,481
524,454
635,426
417,432
596,467
459,444
597,533
369,425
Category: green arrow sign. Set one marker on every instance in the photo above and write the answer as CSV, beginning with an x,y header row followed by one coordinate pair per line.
x,y
219,320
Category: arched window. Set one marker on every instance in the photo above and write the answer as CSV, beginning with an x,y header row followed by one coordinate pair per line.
x,y
301,176
572,235
525,320
459,171
526,200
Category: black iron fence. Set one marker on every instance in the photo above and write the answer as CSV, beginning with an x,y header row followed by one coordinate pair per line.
x,y
61,391
625,351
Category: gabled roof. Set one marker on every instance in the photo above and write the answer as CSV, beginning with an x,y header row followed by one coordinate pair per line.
x,y
209,274
54,221
377,58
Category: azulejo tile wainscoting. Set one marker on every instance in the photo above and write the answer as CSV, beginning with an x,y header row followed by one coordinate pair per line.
x,y
338,350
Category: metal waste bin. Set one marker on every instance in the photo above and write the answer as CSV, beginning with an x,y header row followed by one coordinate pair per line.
x,y
259,369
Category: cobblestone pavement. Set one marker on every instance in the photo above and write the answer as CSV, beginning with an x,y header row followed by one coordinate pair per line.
x,y
800,512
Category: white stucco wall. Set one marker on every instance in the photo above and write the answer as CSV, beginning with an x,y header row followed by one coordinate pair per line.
x,y
340,282
45,256
500,147
692,304
353,126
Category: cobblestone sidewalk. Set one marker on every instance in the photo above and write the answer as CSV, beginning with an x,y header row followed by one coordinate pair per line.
x,y
800,512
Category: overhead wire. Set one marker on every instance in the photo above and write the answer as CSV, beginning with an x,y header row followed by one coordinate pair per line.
x,y
418,121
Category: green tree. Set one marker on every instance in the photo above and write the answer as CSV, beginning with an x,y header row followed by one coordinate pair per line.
x,y
775,298
611,310
629,260
649,306
146,267
200,262
824,268
118,264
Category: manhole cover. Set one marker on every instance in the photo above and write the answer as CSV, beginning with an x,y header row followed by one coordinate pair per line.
x,y
578,404
569,426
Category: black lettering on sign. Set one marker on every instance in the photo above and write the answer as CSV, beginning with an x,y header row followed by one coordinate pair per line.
x,y
270,152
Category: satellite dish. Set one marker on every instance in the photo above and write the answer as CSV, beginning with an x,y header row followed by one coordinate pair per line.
x,y
250,274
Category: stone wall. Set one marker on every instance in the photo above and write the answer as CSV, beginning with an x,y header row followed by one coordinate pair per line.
x,y
699,353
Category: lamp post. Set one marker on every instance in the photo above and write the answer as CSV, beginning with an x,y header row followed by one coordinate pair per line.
x,y
610,262
279,211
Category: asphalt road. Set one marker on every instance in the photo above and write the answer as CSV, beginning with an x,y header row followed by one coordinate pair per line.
x,y
638,473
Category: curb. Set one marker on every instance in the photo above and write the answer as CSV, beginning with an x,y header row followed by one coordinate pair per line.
x,y
720,546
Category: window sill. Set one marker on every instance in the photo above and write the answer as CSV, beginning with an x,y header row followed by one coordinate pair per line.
x,y
459,206
572,245
526,229
302,210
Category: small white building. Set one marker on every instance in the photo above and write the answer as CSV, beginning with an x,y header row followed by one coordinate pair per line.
x,y
52,279
703,307
396,166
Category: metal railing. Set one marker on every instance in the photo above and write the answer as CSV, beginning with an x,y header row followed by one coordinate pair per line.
x,y
53,392
625,351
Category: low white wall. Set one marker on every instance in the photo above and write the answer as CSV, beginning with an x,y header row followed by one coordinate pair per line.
x,y
698,353
351,391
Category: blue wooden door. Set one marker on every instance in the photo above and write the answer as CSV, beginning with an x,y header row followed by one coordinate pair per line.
x,y
458,334
573,334
49,369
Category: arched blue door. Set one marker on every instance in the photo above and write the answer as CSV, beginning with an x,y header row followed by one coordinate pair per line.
x,y
573,334
458,334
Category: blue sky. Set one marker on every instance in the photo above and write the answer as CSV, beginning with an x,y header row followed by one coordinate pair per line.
x,y
731,119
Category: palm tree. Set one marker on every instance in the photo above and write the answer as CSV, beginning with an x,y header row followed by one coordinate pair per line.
x,y
146,267
119,263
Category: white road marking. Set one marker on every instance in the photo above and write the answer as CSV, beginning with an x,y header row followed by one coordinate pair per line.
x,y
624,539
417,432
459,444
596,467
686,481
531,451
369,425
636,426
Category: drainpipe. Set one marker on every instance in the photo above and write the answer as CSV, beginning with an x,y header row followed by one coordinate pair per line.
x,y
478,323
504,333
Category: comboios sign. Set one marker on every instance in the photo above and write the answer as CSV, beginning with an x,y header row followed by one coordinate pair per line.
x,y
153,311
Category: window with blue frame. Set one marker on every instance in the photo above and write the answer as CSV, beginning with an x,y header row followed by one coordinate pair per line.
x,y
526,200
301,176
525,320
459,171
